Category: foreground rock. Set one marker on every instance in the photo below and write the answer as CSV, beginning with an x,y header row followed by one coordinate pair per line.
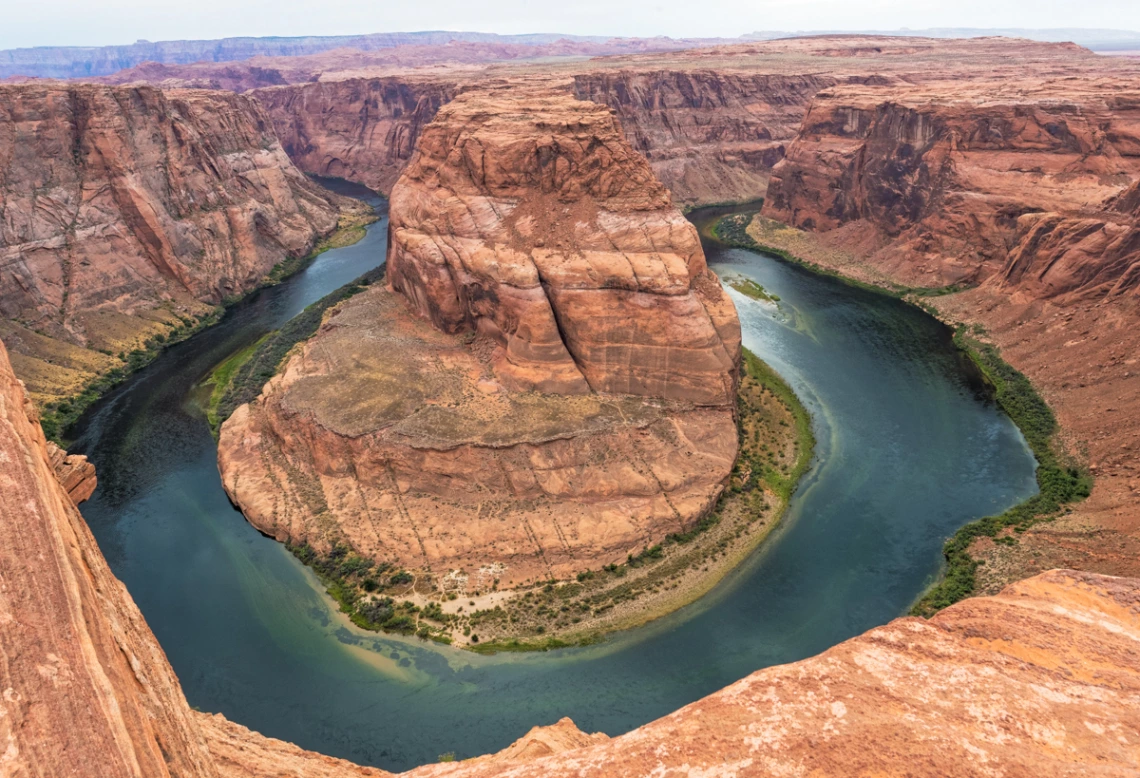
x,y
549,390
129,214
1042,680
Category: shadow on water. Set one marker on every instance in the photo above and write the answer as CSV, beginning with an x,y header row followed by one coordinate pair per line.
x,y
909,450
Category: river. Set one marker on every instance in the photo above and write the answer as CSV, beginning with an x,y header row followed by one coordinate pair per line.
x,y
909,449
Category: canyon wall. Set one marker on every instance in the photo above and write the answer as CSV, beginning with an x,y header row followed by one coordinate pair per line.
x,y
83,682
363,130
131,211
708,136
947,179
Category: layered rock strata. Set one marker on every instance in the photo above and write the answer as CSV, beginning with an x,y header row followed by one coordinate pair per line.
x,y
946,182
550,389
532,221
131,211
361,129
712,121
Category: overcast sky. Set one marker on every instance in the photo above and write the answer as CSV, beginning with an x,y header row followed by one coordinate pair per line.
x,y
99,22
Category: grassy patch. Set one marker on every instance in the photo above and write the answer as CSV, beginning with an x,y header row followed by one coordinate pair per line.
x,y
1059,480
57,417
220,378
749,288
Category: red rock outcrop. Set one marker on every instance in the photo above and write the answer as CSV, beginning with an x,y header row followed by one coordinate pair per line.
x,y
360,129
1043,679
531,220
127,209
565,396
75,473
712,121
710,136
83,683
947,178
1026,189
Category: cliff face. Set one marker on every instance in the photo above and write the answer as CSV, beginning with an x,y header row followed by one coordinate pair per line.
x,y
710,136
571,372
949,179
1027,190
363,130
83,680
1041,680
130,211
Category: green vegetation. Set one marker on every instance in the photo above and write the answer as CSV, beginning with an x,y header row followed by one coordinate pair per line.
x,y
1059,480
782,482
557,614
764,469
221,376
749,288
732,230
57,417
250,374
364,591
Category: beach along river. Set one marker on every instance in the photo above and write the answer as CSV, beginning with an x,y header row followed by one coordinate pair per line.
x,y
908,449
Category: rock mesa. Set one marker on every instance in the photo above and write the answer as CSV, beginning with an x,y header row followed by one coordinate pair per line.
x,y
550,388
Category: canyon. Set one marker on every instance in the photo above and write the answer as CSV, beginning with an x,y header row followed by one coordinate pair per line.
x,y
1042,678
1000,174
130,214
545,387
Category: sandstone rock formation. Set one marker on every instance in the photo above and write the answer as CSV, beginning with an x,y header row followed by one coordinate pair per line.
x,y
531,220
712,121
1025,189
82,680
363,130
128,212
1041,680
565,396
76,475
947,177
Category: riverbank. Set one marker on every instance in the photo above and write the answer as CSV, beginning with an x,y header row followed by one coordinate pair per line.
x,y
59,415
1061,477
471,611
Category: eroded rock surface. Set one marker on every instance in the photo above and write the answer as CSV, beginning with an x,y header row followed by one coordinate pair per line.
x,y
1026,190
948,181
531,220
130,211
551,387
1040,680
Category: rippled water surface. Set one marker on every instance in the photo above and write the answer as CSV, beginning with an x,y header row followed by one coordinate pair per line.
x,y
908,450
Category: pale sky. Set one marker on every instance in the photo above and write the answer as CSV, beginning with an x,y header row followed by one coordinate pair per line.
x,y
100,22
